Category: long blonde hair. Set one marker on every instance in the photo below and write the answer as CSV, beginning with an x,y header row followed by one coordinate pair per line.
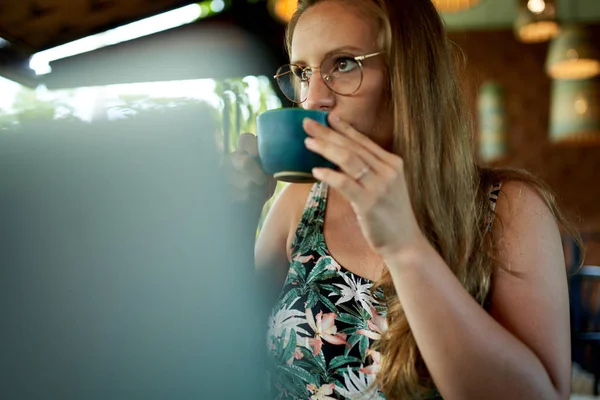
x,y
449,191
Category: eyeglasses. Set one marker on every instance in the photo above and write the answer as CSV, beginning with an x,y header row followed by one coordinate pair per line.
x,y
342,73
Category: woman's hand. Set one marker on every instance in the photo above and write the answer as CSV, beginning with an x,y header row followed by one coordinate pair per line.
x,y
371,179
251,185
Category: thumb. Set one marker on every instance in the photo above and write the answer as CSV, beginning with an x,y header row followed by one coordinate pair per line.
x,y
248,143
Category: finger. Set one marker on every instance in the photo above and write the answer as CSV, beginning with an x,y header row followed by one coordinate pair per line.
x,y
248,143
245,188
344,158
347,186
237,179
349,162
325,134
248,166
348,130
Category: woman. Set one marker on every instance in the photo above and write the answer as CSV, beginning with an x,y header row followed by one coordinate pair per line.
x,y
396,284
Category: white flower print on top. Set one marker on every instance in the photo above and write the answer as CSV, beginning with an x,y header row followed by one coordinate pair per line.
x,y
358,387
321,393
355,290
286,319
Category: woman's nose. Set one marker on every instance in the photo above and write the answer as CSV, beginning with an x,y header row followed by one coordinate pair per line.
x,y
319,96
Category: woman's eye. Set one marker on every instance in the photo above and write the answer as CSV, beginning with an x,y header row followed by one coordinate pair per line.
x,y
346,64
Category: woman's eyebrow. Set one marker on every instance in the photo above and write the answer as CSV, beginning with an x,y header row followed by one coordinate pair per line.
x,y
341,49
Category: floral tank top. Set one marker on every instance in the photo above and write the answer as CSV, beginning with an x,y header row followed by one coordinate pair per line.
x,y
322,328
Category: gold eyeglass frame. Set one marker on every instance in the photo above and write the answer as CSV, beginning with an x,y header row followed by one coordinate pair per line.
x,y
326,78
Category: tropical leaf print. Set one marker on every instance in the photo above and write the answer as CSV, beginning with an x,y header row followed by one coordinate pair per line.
x,y
341,361
321,329
358,386
322,265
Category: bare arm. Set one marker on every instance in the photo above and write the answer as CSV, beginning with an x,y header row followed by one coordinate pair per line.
x,y
271,259
521,350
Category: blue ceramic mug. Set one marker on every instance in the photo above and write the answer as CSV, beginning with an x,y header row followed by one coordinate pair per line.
x,y
281,147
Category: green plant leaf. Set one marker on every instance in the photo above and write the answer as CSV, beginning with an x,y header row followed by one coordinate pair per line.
x,y
363,345
299,373
318,360
352,342
318,269
328,303
340,361
289,296
288,353
300,269
313,298
350,319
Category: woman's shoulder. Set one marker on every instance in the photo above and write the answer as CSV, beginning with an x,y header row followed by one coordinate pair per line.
x,y
515,195
524,212
293,197
287,207
510,185
271,244
518,199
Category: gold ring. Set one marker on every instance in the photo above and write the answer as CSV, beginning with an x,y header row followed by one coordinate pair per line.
x,y
362,173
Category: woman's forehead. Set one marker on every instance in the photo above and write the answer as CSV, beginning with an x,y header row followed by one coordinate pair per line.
x,y
329,27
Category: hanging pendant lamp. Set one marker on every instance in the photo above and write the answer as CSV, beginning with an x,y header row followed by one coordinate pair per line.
x,y
454,5
573,55
575,111
536,21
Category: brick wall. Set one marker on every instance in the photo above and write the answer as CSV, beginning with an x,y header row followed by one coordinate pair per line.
x,y
573,172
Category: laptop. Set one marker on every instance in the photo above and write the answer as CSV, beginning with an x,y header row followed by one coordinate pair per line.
x,y
125,270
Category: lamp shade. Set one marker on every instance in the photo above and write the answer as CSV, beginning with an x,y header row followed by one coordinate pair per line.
x,y
493,144
536,25
573,55
454,5
575,111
